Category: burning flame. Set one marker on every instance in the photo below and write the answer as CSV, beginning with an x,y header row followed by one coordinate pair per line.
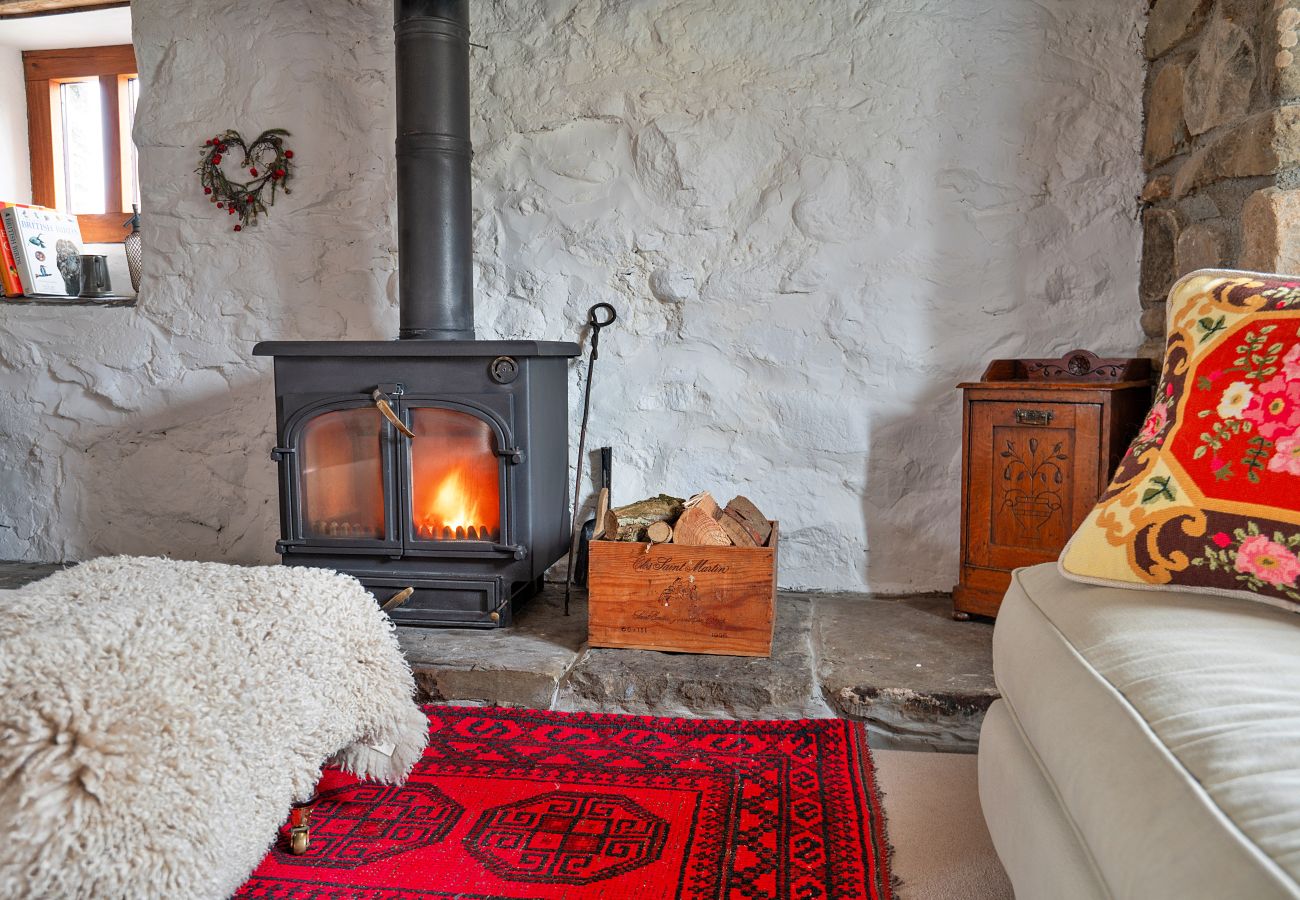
x,y
459,503
453,504
455,477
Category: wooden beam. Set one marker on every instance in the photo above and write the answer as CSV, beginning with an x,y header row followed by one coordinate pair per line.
x,y
79,62
22,9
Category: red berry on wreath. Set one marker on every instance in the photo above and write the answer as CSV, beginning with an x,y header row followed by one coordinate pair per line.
x,y
239,227
253,172
208,142
220,205
221,148
216,159
231,210
207,190
288,154
279,173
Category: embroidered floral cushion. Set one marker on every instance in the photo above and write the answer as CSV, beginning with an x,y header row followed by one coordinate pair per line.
x,y
1208,496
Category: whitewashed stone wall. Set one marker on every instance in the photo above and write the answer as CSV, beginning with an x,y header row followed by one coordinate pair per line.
x,y
814,219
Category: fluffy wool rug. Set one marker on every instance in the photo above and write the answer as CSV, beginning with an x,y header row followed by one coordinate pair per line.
x,y
570,806
157,718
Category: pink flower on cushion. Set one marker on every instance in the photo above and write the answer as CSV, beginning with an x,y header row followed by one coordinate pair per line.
x,y
1286,457
1291,364
1275,408
1267,560
1156,421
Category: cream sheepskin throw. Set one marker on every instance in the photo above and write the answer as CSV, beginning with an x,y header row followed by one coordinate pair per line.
x,y
157,718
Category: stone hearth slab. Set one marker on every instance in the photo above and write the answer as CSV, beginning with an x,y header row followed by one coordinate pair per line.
x,y
518,666
906,668
918,679
16,574
646,682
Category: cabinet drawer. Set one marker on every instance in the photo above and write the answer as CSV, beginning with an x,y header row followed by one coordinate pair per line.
x,y
1032,476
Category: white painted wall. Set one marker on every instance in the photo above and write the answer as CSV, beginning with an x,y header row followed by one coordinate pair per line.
x,y
15,164
814,219
93,28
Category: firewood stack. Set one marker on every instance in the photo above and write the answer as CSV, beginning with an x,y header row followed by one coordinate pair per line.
x,y
698,521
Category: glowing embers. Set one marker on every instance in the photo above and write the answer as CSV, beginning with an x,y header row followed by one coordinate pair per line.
x,y
344,529
455,477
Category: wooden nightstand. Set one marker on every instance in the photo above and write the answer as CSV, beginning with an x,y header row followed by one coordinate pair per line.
x,y
1040,441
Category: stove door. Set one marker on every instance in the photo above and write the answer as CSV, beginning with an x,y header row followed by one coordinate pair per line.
x,y
339,479
456,478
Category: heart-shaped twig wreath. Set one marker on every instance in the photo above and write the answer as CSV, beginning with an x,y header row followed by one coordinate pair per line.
x,y
268,162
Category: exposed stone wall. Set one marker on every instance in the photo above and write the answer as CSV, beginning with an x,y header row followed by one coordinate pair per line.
x,y
814,218
1222,143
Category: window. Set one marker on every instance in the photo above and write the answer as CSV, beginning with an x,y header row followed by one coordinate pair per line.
x,y
80,105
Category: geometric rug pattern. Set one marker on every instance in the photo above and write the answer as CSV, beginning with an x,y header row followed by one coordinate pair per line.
x,y
511,804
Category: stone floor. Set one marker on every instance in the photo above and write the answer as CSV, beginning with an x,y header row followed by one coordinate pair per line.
x,y
918,679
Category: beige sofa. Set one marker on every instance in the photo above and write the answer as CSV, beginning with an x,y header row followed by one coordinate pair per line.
x,y
1147,744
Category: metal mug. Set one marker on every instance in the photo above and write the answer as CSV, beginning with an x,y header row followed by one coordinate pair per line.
x,y
94,276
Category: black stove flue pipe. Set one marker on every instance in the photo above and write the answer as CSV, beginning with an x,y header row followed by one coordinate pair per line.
x,y
434,207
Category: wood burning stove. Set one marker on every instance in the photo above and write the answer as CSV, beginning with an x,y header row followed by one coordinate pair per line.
x,y
439,466
433,468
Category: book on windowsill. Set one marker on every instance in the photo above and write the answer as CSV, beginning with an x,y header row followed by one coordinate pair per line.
x,y
46,246
10,283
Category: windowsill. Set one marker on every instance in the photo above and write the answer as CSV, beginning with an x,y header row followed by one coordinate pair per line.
x,y
70,301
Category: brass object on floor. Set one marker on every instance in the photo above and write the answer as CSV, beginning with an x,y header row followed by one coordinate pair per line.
x,y
300,826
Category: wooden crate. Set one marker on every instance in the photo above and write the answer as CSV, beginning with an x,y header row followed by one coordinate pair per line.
x,y
719,600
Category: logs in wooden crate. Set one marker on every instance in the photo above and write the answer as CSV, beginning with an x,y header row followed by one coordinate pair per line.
x,y
697,521
690,576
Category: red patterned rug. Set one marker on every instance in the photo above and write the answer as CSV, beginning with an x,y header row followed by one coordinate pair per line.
x,y
540,805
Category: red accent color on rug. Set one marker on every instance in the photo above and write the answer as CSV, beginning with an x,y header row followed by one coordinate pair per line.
x,y
541,805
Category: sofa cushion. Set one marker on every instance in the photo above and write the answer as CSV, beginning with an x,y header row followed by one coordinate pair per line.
x,y
1168,724
1208,495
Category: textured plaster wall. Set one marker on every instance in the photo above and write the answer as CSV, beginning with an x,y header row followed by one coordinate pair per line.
x,y
814,219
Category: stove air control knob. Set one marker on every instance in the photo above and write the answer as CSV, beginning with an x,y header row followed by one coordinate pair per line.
x,y
503,370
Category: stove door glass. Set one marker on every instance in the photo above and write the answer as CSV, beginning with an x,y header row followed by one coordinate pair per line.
x,y
455,477
343,475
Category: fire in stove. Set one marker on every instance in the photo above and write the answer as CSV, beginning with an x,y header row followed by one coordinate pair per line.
x,y
459,533
459,510
462,502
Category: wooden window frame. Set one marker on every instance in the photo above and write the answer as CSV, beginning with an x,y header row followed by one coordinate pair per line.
x,y
44,71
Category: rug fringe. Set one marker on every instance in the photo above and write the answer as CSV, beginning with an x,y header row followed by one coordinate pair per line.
x,y
876,794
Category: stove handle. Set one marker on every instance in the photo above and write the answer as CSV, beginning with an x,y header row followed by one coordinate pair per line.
x,y
397,599
381,403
